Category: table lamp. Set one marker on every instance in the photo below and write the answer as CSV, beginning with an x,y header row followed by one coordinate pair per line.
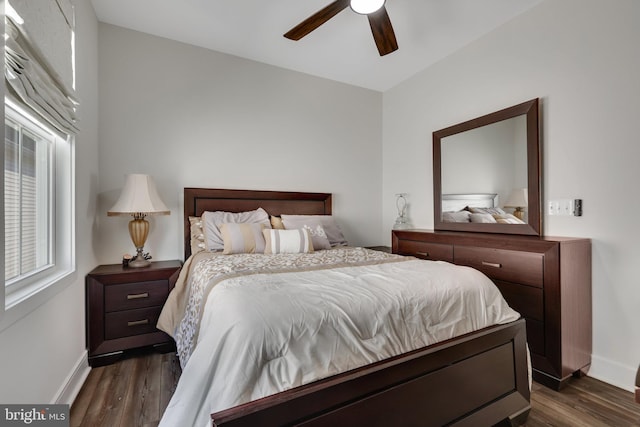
x,y
139,198
518,199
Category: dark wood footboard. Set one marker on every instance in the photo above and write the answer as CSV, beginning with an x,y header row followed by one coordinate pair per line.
x,y
479,379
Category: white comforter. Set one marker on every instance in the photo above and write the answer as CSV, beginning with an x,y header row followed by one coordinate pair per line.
x,y
264,333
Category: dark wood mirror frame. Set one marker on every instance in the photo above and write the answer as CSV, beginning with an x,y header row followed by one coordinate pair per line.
x,y
534,224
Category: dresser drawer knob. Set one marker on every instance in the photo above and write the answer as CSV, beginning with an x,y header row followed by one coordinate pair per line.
x,y
138,296
492,264
424,254
138,322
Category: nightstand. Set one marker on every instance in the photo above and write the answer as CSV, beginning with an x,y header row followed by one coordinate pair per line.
x,y
123,306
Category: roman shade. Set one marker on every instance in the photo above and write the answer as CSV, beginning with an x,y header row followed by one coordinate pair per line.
x,y
31,79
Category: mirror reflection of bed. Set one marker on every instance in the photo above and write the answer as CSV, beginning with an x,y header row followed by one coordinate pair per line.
x,y
482,208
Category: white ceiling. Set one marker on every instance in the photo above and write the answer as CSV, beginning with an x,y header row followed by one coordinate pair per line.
x,y
342,49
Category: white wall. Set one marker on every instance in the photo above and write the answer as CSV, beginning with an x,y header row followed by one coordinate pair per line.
x,y
581,58
42,355
191,117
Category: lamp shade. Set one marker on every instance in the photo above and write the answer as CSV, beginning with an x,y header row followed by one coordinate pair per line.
x,y
139,196
517,199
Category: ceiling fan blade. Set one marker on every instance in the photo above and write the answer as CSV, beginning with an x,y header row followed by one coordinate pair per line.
x,y
382,31
317,19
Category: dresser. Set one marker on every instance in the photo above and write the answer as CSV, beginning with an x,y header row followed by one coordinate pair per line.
x,y
123,306
546,279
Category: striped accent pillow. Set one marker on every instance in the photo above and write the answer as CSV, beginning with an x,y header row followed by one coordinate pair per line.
x,y
287,241
242,238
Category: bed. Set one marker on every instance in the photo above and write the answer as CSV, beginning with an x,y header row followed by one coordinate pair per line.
x,y
475,378
475,207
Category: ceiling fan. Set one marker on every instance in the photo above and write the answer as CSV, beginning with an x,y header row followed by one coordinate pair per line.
x,y
379,22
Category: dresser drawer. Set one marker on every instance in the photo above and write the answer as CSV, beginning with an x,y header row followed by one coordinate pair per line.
x,y
526,300
424,250
135,295
500,264
131,322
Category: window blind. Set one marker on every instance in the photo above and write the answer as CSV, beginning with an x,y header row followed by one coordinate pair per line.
x,y
33,82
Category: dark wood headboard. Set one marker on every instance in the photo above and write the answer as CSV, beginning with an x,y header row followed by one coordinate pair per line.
x,y
199,200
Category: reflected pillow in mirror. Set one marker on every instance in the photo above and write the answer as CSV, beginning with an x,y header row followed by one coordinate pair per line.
x,y
482,218
490,211
460,216
507,219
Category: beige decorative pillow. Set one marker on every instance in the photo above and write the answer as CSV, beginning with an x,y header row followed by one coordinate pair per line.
x,y
276,223
197,235
287,241
242,238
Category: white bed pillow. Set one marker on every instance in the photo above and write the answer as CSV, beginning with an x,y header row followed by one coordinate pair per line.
x,y
287,241
327,222
213,220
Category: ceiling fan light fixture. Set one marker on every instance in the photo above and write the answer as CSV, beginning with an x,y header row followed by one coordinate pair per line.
x,y
365,7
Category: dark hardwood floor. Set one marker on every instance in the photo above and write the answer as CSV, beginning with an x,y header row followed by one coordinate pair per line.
x,y
131,392
134,392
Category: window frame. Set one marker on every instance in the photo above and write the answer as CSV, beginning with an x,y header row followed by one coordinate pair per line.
x,y
62,215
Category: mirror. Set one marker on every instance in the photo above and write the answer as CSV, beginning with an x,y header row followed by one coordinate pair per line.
x,y
486,173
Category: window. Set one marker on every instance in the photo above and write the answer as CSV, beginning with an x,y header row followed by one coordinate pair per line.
x,y
27,195
37,205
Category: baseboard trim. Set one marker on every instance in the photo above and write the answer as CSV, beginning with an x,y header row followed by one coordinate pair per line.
x,y
74,381
613,373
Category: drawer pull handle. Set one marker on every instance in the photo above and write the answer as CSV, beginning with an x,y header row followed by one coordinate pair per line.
x,y
138,296
492,264
138,322
425,254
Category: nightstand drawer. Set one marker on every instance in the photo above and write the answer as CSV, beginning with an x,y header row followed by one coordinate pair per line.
x,y
431,251
135,295
501,264
131,322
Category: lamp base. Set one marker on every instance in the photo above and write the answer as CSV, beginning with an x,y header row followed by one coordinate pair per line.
x,y
519,213
138,230
137,263
402,223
